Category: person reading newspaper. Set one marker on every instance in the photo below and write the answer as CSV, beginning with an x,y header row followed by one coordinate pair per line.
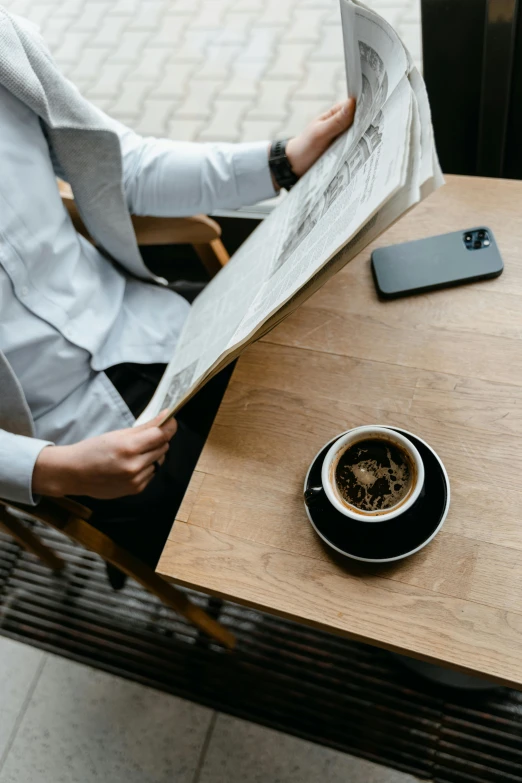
x,y
383,165
84,338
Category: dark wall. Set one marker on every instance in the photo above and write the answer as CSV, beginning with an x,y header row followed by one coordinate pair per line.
x,y
472,52
513,159
453,43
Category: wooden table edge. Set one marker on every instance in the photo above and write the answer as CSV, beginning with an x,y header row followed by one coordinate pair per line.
x,y
364,638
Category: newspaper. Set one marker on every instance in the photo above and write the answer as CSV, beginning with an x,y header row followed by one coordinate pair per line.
x,y
383,165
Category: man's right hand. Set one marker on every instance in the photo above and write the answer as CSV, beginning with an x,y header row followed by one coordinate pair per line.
x,y
107,466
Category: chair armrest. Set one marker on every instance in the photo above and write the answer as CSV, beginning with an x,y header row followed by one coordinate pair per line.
x,y
197,230
49,509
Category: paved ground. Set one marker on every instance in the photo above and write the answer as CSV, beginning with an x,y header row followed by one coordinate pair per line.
x,y
61,722
207,70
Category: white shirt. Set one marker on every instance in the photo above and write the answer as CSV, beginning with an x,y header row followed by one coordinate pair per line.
x,y
66,312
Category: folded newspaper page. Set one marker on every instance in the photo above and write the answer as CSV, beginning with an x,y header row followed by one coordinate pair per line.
x,y
383,165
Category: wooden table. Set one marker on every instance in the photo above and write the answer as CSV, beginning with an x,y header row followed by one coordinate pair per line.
x,y
447,366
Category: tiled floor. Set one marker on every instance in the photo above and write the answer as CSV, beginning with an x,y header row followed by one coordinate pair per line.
x,y
61,722
207,70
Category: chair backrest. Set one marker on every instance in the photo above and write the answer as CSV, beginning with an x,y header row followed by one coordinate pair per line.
x,y
200,231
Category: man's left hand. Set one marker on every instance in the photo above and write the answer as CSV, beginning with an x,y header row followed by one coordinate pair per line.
x,y
303,150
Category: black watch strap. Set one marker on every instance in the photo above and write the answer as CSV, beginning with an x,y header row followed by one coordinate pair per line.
x,y
280,165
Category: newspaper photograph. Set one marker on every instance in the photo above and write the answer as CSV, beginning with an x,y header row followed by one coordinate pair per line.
x,y
371,175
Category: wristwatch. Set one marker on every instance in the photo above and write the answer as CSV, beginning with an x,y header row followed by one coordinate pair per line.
x,y
280,165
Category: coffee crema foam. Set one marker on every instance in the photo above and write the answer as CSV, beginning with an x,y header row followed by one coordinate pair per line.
x,y
373,474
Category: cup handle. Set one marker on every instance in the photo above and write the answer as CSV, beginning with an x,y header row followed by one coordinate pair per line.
x,y
312,495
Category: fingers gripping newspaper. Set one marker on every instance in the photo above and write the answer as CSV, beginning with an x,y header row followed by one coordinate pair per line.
x,y
383,165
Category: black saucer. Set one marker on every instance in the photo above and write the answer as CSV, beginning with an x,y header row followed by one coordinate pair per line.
x,y
380,542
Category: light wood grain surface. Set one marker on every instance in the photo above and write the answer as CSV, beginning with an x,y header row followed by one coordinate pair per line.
x,y
445,365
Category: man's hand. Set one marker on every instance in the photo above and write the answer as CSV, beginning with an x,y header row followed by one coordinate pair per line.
x,y
107,466
303,150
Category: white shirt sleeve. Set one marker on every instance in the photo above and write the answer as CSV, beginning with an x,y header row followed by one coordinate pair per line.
x,y
176,178
18,455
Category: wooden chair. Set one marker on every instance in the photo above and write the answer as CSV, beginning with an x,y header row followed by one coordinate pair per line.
x,y
71,518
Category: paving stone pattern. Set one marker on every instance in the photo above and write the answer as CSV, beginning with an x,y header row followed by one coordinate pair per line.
x,y
207,70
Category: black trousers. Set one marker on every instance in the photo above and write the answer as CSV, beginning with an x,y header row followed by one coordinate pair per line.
x,y
141,523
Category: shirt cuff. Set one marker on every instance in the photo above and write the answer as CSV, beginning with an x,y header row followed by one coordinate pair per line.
x,y
252,172
18,455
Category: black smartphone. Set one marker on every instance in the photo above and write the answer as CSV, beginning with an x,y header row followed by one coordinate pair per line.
x,y
436,262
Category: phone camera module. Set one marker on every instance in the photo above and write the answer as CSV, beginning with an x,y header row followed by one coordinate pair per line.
x,y
476,239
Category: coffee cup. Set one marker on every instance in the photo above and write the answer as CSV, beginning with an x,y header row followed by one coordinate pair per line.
x,y
372,474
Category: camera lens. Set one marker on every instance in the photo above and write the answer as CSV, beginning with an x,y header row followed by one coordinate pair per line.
x,y
481,234
477,244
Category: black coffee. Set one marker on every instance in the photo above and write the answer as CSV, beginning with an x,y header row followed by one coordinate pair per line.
x,y
374,474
